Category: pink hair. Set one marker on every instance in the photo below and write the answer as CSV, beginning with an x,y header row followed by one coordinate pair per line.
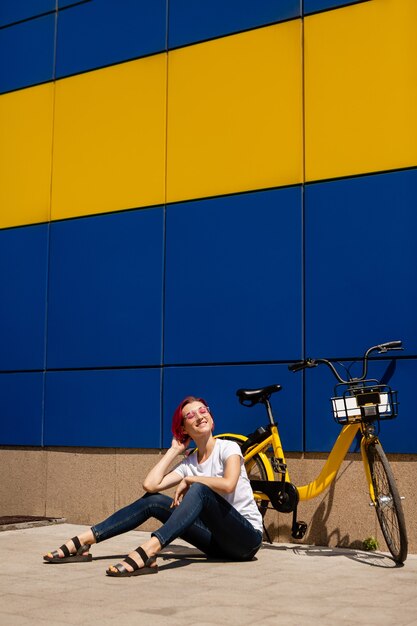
x,y
178,418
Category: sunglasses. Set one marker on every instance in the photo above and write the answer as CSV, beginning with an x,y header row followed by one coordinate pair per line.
x,y
191,415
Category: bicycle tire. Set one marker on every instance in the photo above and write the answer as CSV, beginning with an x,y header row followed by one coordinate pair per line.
x,y
255,468
387,502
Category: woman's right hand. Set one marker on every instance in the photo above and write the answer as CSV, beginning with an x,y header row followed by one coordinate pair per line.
x,y
180,446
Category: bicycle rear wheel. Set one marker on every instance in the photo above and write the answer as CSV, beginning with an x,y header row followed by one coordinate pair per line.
x,y
387,502
255,468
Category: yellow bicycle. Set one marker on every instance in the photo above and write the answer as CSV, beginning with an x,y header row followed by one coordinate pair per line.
x,y
359,404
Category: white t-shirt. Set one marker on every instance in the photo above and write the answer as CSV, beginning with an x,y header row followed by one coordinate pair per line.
x,y
242,498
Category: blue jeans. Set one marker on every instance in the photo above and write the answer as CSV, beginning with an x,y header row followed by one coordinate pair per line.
x,y
203,519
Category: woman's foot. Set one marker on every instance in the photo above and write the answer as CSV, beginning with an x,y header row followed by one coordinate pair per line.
x,y
139,562
76,550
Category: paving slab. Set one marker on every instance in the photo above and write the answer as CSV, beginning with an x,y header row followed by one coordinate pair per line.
x,y
295,585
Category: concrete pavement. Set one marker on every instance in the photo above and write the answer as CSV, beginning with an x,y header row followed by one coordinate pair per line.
x,y
287,584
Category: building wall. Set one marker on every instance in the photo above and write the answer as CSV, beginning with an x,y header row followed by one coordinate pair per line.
x,y
85,485
192,196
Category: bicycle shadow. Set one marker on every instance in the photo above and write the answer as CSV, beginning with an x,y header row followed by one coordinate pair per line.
x,y
322,536
367,558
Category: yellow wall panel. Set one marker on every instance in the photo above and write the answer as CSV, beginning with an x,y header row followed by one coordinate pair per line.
x,y
235,113
361,89
109,139
25,155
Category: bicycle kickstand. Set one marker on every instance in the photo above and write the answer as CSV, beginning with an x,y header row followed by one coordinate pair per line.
x,y
266,532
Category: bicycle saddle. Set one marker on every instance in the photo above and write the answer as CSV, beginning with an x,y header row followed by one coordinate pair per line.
x,y
249,397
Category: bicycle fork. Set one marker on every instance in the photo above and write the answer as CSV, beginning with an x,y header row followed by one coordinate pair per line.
x,y
368,436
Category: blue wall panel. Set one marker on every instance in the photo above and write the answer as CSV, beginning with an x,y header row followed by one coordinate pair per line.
x,y
23,279
100,33
233,279
27,53
361,278
17,10
105,301
322,430
191,21
232,310
313,6
62,4
109,408
218,385
21,409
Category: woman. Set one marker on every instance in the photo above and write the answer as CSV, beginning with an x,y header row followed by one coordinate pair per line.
x,y
213,507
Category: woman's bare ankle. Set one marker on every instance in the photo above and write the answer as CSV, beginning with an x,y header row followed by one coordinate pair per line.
x,y
152,546
87,538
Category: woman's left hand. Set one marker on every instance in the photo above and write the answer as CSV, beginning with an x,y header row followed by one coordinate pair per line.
x,y
180,492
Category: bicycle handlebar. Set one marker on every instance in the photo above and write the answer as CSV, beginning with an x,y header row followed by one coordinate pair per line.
x,y
390,345
301,365
382,347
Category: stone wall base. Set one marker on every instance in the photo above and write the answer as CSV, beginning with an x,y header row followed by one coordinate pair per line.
x,y
85,485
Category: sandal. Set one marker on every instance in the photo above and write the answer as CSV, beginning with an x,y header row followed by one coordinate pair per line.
x,y
137,570
74,557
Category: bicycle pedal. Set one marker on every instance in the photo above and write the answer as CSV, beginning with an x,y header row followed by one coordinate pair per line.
x,y
299,530
279,466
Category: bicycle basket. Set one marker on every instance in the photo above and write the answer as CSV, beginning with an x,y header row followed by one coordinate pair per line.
x,y
365,403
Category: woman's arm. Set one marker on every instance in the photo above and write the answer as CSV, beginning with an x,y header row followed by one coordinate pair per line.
x,y
158,479
222,485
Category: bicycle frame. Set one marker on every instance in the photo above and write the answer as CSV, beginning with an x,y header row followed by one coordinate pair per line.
x,y
328,471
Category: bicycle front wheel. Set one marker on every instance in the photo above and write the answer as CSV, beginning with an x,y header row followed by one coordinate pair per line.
x,y
256,468
387,502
